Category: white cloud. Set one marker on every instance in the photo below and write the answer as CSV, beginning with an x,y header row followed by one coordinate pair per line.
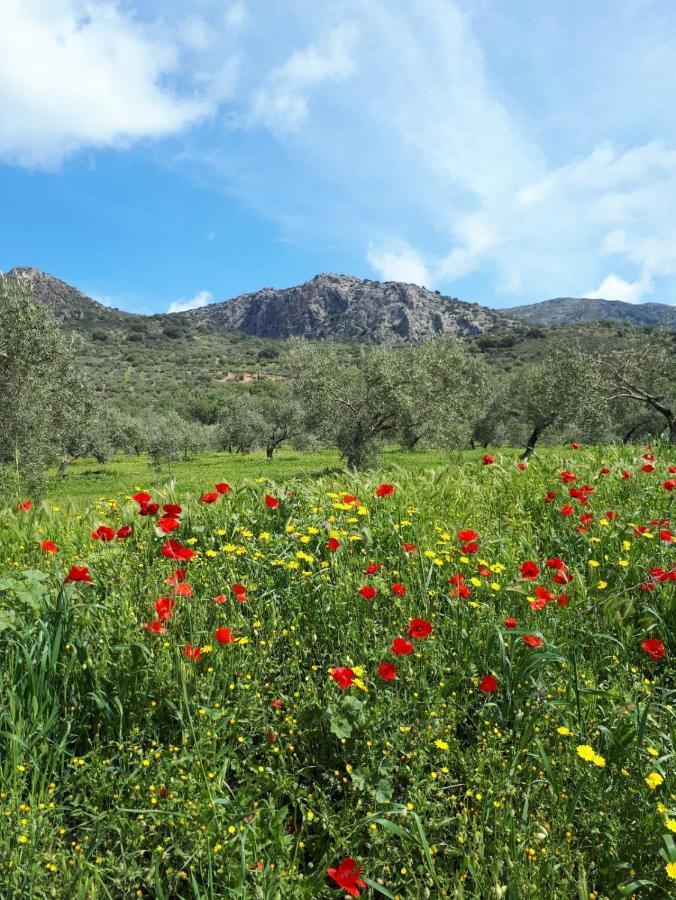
x,y
402,264
82,73
202,298
281,104
615,288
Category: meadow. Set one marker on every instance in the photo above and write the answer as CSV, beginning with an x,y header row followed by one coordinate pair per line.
x,y
445,677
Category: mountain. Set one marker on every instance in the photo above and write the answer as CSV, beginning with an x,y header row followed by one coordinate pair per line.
x,y
68,305
576,310
344,308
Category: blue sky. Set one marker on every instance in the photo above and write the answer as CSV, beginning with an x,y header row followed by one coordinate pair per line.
x,y
160,153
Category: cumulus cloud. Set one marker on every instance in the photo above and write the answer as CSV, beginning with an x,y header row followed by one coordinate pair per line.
x,y
401,264
82,73
201,298
615,288
281,103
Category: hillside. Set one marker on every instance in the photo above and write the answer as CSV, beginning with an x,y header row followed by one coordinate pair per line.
x,y
186,361
576,310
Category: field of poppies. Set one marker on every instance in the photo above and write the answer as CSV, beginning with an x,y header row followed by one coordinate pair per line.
x,y
455,682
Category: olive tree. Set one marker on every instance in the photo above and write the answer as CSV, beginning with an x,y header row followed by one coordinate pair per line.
x,y
643,376
560,395
40,386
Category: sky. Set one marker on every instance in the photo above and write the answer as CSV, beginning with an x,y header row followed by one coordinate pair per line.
x,y
163,154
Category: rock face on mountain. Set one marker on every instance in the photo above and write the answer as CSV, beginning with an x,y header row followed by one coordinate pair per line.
x,y
573,310
341,307
69,306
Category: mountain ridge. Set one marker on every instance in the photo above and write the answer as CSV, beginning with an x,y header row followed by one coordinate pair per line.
x,y
343,308
578,310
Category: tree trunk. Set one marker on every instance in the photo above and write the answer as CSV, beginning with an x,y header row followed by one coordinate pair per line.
x,y
63,465
269,451
628,434
672,430
472,445
531,442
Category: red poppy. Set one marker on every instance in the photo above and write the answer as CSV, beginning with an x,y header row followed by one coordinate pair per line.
x,y
470,548
191,652
24,506
332,544
142,497
510,623
209,497
148,509
156,627
550,496
387,671
399,589
385,490
669,484
555,563
48,547
271,502
529,570
488,460
367,592
542,598
183,590
372,568
532,640
173,550
566,510
666,535
562,577
347,877
277,703
579,494
488,685
167,524
654,648
343,677
350,499
104,533
224,636
562,600
177,577
78,573
625,475
221,598
172,510
467,535
124,531
419,628
586,518
222,487
401,647
605,471
460,588
164,608
574,445
522,466
238,589
409,548
567,477
648,467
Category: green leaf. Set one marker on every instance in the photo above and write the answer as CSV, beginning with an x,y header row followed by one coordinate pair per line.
x,y
341,727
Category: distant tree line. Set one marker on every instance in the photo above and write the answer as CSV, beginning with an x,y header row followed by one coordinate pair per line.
x,y
435,394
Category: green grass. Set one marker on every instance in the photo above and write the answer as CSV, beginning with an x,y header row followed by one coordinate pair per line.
x,y
87,480
128,769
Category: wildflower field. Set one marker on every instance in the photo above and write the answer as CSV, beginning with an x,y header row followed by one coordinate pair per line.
x,y
449,682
